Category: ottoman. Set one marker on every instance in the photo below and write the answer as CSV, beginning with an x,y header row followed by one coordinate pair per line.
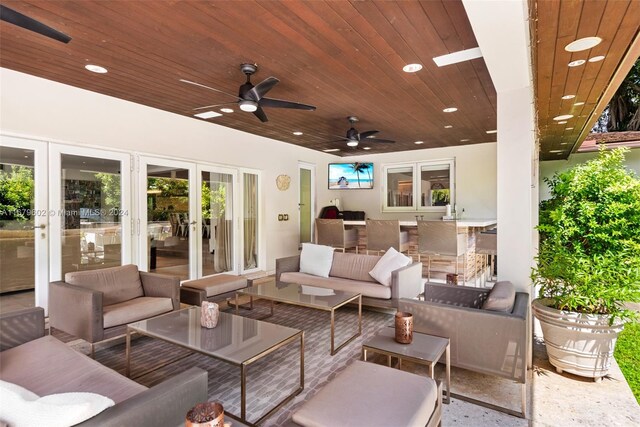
x,y
367,394
213,288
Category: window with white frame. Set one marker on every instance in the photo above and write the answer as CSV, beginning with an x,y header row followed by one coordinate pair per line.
x,y
419,186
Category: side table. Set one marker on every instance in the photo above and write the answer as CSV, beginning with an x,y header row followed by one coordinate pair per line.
x,y
425,349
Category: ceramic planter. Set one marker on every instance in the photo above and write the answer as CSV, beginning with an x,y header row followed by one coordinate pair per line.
x,y
581,344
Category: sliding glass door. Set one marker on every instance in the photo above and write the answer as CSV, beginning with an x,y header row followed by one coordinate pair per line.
x,y
24,215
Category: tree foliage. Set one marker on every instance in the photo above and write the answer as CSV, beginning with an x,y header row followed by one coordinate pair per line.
x,y
16,193
589,255
622,113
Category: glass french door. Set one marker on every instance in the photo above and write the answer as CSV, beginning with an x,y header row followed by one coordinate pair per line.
x,y
216,218
166,230
90,202
24,216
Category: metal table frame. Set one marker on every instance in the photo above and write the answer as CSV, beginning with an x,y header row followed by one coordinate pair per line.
x,y
243,370
334,349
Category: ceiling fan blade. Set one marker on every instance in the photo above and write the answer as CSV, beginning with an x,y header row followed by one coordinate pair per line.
x,y
388,141
258,91
212,106
259,113
278,103
210,88
368,133
17,18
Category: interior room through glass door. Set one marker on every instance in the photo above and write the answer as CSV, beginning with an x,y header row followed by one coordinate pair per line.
x,y
305,204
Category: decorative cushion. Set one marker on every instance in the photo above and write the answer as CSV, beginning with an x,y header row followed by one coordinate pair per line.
x,y
353,266
316,259
501,297
21,407
388,263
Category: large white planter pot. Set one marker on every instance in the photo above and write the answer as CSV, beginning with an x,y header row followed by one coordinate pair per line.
x,y
581,344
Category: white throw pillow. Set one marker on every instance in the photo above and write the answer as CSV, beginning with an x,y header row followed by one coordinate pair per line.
x,y
21,407
316,259
390,261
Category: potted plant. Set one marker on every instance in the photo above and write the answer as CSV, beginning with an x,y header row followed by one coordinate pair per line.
x,y
588,264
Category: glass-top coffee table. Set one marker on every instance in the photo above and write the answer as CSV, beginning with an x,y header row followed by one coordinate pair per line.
x,y
424,349
237,340
307,296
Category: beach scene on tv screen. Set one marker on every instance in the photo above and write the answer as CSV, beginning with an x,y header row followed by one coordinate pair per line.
x,y
350,176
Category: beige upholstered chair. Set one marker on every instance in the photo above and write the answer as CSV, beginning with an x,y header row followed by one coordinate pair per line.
x,y
96,305
383,234
487,245
441,238
331,232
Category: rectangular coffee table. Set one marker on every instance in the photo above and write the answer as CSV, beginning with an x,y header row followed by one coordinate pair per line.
x,y
307,296
424,349
237,340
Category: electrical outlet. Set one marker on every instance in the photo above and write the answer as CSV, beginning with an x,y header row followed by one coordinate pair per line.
x,y
280,217
286,217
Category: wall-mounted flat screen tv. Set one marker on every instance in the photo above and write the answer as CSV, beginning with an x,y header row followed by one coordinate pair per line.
x,y
350,176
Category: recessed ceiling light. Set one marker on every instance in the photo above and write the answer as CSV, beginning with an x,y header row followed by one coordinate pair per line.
x,y
556,151
579,103
412,68
492,131
583,44
563,117
331,150
564,143
227,110
207,115
297,133
465,140
596,58
568,97
366,148
576,63
460,56
448,126
96,69
26,157
563,122
419,142
568,129
450,109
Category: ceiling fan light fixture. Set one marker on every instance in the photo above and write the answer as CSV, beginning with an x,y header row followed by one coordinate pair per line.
x,y
585,43
96,69
412,68
352,143
248,106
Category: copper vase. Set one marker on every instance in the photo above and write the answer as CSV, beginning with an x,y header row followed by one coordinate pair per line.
x,y
404,327
209,414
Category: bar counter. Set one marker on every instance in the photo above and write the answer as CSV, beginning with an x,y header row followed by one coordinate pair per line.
x,y
440,265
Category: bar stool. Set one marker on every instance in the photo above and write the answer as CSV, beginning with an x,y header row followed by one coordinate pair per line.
x,y
331,232
487,245
441,238
384,234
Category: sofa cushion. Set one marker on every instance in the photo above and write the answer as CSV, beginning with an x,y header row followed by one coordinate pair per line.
x,y
21,407
118,284
353,266
216,285
47,366
383,397
367,289
316,259
388,263
134,310
501,297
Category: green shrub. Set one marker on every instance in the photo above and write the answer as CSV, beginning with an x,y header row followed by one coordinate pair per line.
x,y
589,254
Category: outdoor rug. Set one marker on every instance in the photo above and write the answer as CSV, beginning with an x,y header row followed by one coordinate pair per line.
x,y
270,379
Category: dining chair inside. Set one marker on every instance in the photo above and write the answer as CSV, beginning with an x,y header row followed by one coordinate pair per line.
x,y
383,234
441,238
331,232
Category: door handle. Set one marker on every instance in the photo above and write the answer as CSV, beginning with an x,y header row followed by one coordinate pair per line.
x,y
41,226
192,222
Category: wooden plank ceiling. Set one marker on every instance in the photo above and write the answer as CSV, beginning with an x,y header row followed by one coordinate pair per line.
x,y
344,57
557,23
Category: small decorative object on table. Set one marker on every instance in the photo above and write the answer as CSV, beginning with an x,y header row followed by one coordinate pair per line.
x,y
209,314
209,414
404,327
